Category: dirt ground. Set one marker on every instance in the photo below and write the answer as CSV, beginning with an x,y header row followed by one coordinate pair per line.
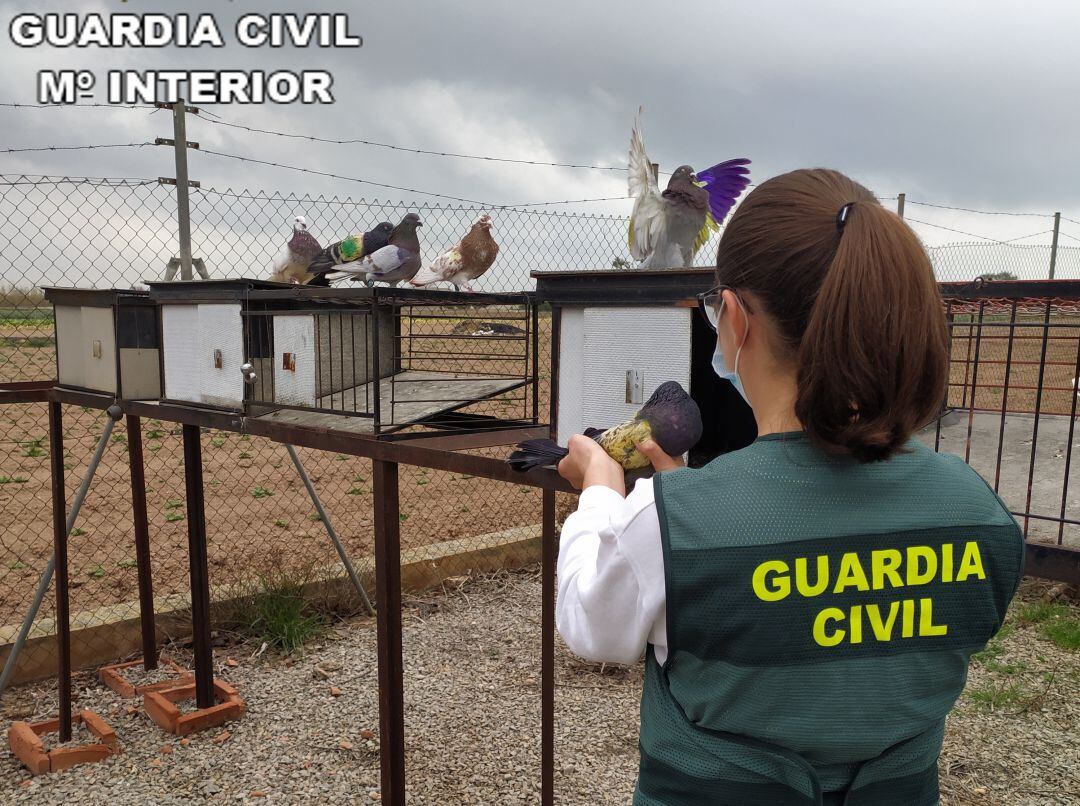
x,y
472,717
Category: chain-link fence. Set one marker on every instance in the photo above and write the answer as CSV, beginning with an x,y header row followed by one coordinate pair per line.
x,y
117,233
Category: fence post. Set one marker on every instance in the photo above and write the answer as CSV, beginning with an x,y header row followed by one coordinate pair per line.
x,y
1053,244
180,145
900,204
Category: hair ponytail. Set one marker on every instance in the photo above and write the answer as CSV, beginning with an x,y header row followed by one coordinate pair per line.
x,y
854,298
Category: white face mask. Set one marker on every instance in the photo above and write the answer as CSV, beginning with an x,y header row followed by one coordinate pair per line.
x,y
720,365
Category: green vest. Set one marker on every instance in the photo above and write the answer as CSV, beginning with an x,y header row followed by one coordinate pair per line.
x,y
820,618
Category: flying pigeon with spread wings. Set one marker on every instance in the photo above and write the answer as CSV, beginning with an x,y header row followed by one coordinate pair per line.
x,y
463,263
291,264
667,228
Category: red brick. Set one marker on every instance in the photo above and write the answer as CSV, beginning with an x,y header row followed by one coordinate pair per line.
x,y
99,727
113,677
161,708
66,757
27,747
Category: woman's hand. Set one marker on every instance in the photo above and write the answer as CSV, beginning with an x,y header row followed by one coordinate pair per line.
x,y
588,464
660,460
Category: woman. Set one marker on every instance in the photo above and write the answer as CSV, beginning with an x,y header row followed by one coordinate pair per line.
x,y
809,604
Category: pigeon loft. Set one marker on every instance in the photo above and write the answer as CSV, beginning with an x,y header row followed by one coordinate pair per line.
x,y
619,334
365,360
107,340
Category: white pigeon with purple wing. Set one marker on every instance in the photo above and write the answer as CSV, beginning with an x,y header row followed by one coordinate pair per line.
x,y
668,227
291,264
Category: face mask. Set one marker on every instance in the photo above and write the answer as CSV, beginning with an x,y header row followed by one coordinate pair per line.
x,y
719,365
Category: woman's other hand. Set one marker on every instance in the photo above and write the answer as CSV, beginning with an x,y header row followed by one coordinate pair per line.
x,y
660,460
588,464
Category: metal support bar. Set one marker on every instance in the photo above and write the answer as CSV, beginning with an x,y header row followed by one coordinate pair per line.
x,y
388,623
200,583
60,561
183,209
325,518
547,651
50,568
1053,244
142,542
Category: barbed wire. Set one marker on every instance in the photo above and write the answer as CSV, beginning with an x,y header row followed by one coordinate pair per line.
x,y
15,105
73,148
973,234
970,210
28,179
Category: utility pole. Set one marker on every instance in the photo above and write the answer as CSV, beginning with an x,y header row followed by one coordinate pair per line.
x,y
180,145
900,204
1053,244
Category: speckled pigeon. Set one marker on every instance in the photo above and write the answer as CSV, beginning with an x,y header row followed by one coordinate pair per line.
x,y
396,262
463,263
352,248
291,264
667,228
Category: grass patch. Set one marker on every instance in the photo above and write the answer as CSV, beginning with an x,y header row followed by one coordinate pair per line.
x,y
277,613
1039,612
97,572
218,442
994,695
33,448
174,516
1064,632
126,564
13,479
261,492
174,503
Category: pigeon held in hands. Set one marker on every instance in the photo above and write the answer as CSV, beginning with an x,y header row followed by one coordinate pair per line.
x,y
460,265
291,264
347,251
396,262
667,228
670,418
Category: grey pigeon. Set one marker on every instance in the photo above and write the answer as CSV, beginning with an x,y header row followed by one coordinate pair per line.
x,y
291,264
396,262
352,248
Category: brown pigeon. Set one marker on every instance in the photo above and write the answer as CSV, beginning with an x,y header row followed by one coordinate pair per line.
x,y
473,256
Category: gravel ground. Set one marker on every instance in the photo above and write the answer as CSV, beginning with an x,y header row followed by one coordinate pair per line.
x,y
472,677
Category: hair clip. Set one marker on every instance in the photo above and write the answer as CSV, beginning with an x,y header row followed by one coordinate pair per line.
x,y
841,217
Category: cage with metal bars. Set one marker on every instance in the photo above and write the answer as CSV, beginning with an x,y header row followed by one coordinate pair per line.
x,y
367,360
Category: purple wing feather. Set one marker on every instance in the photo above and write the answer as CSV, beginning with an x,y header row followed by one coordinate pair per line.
x,y
725,182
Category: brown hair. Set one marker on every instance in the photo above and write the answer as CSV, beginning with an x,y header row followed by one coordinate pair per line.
x,y
857,307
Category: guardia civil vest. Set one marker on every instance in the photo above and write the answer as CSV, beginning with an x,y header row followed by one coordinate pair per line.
x,y
820,617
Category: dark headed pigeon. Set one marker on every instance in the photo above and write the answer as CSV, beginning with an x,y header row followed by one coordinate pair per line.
x,y
352,248
472,256
291,264
398,261
667,229
670,418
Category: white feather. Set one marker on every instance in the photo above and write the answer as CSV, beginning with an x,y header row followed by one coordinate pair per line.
x,y
647,221
444,267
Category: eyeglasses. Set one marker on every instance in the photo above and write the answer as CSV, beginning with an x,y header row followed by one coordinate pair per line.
x,y
707,304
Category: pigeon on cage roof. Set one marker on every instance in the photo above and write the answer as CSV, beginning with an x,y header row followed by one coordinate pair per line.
x,y
670,418
347,251
291,264
398,261
473,255
668,227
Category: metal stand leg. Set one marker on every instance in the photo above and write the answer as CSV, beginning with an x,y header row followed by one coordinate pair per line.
x,y
200,583
547,652
142,543
50,568
349,569
388,597
60,557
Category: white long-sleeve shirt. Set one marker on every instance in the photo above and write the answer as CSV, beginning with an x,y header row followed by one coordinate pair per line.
x,y
612,598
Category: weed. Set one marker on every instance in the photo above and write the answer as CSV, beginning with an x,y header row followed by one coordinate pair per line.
x,y
1065,632
261,492
77,532
360,479
13,479
422,482
17,565
126,564
279,523
1039,612
173,517
97,572
174,503
155,448
403,517
217,442
358,491
119,439
277,613
315,516
996,695
33,448
340,457
245,455
155,433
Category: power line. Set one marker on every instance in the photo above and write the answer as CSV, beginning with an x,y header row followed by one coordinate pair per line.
x,y
969,210
973,234
359,141
73,148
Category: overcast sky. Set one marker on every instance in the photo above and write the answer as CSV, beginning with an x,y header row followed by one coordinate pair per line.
x,y
972,104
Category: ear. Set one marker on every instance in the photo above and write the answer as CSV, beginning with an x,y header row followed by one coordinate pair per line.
x,y
736,317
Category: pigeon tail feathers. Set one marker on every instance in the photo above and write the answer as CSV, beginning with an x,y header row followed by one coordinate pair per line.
x,y
533,453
